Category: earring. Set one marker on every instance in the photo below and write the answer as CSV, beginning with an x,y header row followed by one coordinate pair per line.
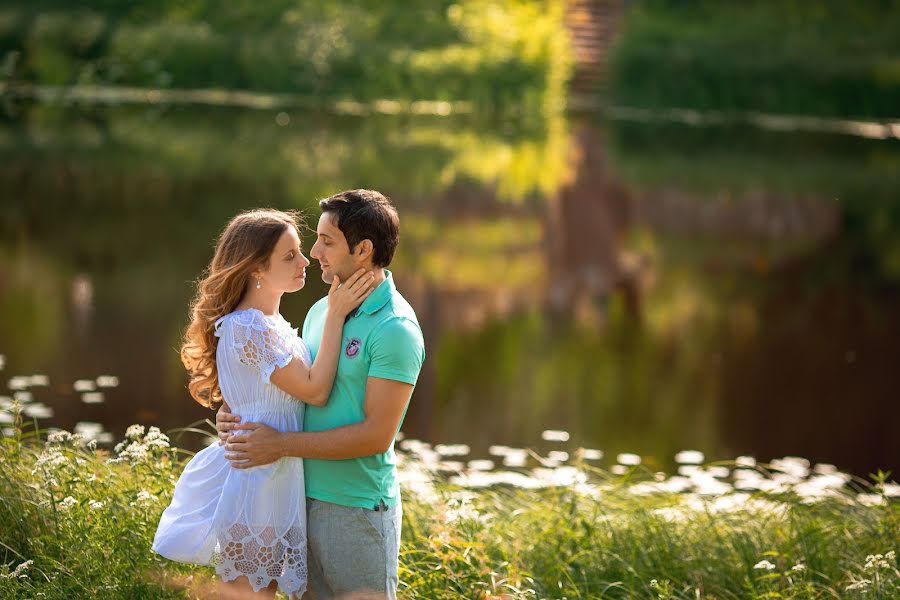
x,y
258,284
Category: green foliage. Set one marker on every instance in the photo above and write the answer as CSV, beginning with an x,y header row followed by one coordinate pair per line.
x,y
828,58
76,523
505,56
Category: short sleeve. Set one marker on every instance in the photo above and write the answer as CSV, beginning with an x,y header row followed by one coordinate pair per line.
x,y
259,345
397,351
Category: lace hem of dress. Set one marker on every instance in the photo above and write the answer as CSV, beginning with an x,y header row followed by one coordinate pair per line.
x,y
263,558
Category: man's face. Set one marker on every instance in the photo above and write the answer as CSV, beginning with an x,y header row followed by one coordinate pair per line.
x,y
332,251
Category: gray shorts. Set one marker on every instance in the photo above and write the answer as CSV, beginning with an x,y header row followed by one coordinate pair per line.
x,y
352,550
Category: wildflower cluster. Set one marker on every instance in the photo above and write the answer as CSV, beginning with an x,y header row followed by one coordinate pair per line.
x,y
139,447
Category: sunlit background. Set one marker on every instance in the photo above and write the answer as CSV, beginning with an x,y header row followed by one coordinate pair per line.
x,y
653,226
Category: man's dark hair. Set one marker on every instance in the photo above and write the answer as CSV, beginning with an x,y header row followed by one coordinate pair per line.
x,y
366,215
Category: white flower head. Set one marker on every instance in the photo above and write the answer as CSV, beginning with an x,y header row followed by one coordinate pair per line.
x,y
19,572
144,498
156,439
628,459
134,432
689,457
48,460
799,567
764,564
555,435
67,503
95,505
59,437
876,562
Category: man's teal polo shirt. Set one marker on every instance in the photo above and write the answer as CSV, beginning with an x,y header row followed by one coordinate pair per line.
x,y
382,339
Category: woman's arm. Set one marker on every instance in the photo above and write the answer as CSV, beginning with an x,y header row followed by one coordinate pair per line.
x,y
313,384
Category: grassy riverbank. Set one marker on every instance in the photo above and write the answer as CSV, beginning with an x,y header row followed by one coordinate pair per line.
x,y
77,522
828,58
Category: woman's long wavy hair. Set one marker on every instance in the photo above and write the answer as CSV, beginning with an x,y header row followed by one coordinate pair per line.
x,y
244,246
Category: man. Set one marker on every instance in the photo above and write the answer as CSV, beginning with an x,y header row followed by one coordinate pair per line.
x,y
353,499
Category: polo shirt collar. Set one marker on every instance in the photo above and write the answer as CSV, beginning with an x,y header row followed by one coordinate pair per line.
x,y
380,296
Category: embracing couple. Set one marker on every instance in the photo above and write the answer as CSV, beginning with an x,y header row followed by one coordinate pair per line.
x,y
301,492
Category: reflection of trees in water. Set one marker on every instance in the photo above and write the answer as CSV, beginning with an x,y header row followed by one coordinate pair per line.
x,y
717,259
621,304
126,202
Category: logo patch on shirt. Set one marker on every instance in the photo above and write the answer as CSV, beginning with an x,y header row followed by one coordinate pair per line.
x,y
352,348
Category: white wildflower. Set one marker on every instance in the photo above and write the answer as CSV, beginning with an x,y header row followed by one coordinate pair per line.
x,y
764,564
745,461
481,465
825,469
144,498
553,435
84,385
17,383
560,476
134,452
798,568
628,459
19,572
39,380
689,457
516,458
59,437
49,459
92,397
870,499
88,429
452,449
23,397
156,439
591,454
498,450
558,456
461,509
793,466
38,410
874,562
67,503
134,431
107,381
95,505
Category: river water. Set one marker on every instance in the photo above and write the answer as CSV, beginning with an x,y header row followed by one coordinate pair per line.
x,y
644,287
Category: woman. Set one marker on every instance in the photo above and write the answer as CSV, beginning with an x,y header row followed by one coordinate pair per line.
x,y
251,524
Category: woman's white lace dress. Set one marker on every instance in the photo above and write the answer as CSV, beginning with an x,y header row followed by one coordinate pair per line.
x,y
248,522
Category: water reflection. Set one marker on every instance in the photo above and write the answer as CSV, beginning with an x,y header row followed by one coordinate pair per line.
x,y
640,288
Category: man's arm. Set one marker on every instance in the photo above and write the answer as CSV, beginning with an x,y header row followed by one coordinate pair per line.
x,y
385,401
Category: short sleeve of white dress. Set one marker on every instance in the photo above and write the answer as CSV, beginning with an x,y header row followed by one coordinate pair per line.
x,y
265,345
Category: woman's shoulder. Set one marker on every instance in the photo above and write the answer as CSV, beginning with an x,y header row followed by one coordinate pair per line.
x,y
254,319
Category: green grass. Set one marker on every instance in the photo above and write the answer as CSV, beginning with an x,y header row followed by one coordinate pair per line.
x,y
81,521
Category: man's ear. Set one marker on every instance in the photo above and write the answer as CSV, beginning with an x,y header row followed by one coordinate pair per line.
x,y
365,248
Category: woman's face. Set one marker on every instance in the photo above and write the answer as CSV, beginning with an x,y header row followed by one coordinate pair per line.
x,y
287,265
